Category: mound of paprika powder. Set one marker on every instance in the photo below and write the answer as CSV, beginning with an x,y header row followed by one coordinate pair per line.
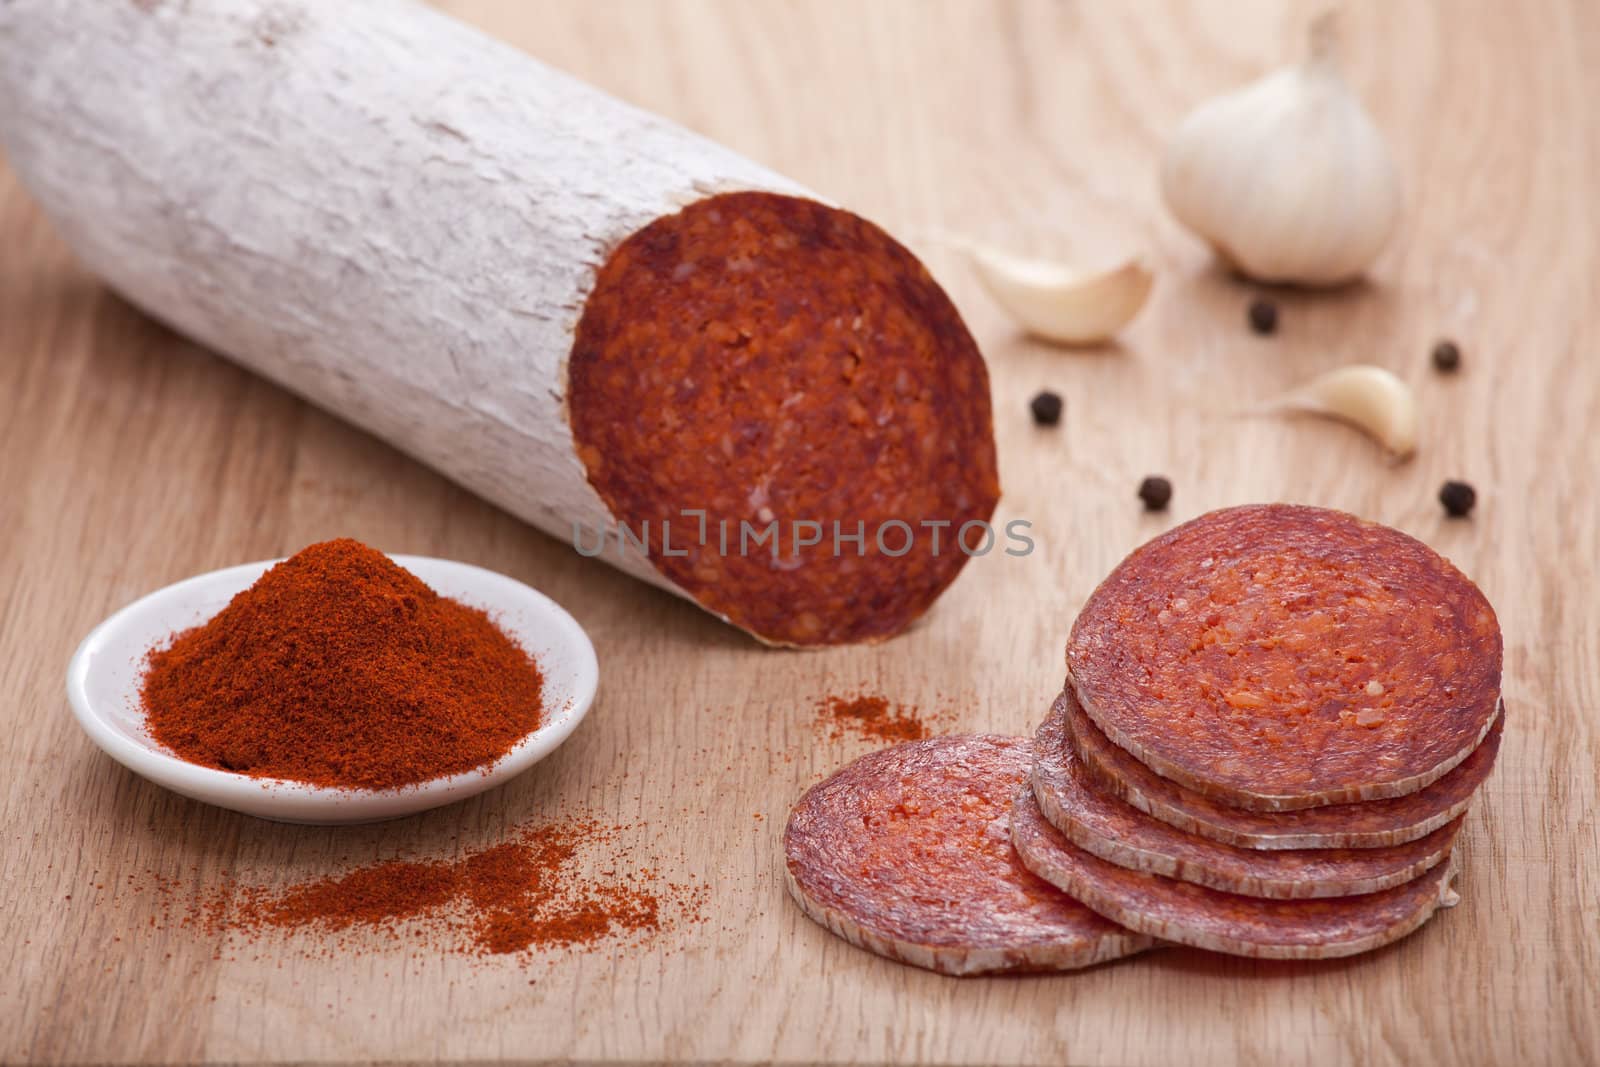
x,y
341,668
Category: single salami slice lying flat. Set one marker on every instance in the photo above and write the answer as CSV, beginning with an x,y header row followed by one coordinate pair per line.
x,y
1099,823
1190,914
1372,824
907,853
1278,657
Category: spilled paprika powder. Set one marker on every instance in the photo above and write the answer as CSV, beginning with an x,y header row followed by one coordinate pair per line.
x,y
554,885
872,717
518,895
341,668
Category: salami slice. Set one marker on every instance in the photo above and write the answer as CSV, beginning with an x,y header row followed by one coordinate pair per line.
x,y
1373,824
1278,657
907,853
1097,822
1190,914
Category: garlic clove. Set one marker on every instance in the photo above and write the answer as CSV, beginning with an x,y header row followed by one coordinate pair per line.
x,y
1369,398
1448,897
1060,304
1288,178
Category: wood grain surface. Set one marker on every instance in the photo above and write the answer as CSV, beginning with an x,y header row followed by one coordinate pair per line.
x,y
130,458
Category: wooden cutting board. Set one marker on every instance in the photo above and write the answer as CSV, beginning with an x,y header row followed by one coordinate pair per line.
x,y
130,458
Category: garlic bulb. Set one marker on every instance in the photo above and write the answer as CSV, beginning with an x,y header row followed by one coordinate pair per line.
x,y
1060,304
1367,397
1287,178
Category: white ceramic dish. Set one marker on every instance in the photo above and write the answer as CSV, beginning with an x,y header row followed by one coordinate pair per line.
x,y
103,688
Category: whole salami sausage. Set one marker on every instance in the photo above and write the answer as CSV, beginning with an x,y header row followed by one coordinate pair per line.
x,y
631,337
1278,657
907,853
1100,824
1190,914
1371,824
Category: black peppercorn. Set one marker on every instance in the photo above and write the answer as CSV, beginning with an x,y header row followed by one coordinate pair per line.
x,y
1156,492
1263,316
1457,498
1447,356
1046,408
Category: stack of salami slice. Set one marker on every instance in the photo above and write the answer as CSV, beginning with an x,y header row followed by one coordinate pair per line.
x,y
1274,721
1275,718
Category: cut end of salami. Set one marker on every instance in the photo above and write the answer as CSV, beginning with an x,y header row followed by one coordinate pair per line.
x,y
907,853
1195,915
1372,824
780,403
1096,821
1278,657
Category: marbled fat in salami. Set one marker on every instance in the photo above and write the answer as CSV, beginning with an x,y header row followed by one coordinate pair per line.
x,y
769,359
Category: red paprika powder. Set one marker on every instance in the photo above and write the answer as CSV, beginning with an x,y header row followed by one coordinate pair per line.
x,y
871,717
341,668
531,892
